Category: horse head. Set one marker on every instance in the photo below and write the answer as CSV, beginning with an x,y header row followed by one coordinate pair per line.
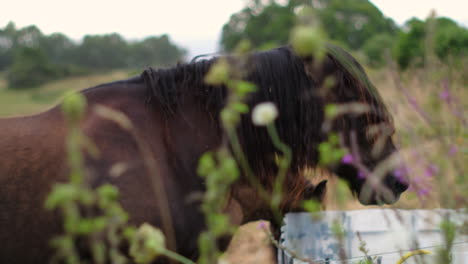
x,y
365,128
302,88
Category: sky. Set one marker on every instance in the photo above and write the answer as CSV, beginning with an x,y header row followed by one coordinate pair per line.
x,y
193,24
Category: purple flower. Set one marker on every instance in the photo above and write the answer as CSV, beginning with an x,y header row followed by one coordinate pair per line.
x,y
347,159
361,174
444,95
423,192
453,150
431,171
261,225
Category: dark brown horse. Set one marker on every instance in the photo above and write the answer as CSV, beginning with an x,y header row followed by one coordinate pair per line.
x,y
177,116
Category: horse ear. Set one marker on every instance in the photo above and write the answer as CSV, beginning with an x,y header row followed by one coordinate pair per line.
x,y
315,192
320,190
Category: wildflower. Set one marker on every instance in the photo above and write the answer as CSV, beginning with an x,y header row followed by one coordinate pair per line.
x,y
264,113
347,159
453,150
423,191
431,170
261,225
361,174
444,95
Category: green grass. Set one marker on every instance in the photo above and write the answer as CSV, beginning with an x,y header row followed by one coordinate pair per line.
x,y
37,99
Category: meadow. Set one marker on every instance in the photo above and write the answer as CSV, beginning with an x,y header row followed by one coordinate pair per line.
x,y
33,100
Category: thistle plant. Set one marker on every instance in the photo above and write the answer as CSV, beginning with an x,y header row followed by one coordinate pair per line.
x,y
219,168
104,232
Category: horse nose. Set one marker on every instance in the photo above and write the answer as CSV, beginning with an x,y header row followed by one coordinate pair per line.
x,y
400,178
400,186
397,183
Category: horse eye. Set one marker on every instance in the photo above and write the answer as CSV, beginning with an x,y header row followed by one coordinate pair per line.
x,y
373,132
388,130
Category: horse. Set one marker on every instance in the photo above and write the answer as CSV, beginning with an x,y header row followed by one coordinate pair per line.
x,y
177,116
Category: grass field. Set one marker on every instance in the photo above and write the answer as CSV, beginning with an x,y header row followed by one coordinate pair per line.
x,y
29,101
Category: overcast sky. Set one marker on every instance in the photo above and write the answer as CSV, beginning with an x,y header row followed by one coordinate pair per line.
x,y
193,24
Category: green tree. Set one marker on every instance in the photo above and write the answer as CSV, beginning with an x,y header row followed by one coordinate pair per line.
x,y
58,48
378,48
29,36
7,44
102,52
353,22
233,30
154,51
30,68
410,45
97,52
447,40
451,40
349,22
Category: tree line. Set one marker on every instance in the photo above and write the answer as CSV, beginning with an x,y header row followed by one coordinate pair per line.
x,y
354,24
31,58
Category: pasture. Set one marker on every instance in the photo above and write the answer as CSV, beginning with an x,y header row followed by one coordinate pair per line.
x,y
30,101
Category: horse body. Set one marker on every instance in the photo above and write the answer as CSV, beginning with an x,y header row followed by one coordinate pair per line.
x,y
33,159
30,157
176,115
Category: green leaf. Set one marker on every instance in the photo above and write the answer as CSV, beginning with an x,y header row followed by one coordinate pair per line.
x,y
244,87
240,107
108,192
218,73
61,194
331,110
311,206
206,164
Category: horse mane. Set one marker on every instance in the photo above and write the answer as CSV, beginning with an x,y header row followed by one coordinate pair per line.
x,y
282,78
358,78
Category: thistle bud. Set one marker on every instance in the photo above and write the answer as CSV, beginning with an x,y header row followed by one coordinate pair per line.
x,y
264,113
74,106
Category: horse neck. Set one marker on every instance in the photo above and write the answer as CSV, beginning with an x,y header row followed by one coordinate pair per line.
x,y
245,204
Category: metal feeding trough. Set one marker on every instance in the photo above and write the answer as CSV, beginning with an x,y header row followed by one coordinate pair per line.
x,y
388,235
